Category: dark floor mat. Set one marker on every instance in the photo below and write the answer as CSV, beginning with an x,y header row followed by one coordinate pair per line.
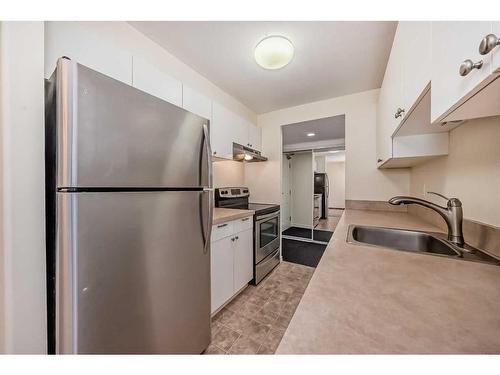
x,y
297,232
319,235
322,235
306,253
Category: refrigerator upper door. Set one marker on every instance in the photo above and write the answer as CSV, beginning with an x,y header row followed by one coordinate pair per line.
x,y
110,134
133,276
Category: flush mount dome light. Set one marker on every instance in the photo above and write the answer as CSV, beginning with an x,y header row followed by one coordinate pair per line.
x,y
311,134
273,52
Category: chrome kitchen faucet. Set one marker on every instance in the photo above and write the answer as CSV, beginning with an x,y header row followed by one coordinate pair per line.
x,y
452,214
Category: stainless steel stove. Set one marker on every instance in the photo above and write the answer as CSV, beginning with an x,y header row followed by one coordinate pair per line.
x,y
267,234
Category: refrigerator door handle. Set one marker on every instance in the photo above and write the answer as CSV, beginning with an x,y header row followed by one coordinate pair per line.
x,y
207,233
209,190
327,186
208,148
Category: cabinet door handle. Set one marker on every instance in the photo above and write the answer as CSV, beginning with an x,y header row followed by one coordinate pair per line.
x,y
379,160
236,238
487,44
399,113
233,239
245,219
467,66
222,225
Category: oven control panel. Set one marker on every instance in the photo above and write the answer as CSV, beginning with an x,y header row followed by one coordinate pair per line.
x,y
233,192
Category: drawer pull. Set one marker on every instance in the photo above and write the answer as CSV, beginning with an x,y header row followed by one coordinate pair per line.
x,y
489,42
222,225
467,66
245,219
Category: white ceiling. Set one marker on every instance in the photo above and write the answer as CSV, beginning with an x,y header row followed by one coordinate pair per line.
x,y
331,58
326,129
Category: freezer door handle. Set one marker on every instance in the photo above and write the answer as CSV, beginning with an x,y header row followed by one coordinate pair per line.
x,y
208,190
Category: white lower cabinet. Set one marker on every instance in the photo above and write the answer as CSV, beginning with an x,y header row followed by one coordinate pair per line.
x,y
231,259
221,266
243,259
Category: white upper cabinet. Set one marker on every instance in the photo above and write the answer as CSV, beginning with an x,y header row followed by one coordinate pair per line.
x,y
221,135
228,127
254,136
495,54
390,100
196,103
416,44
155,82
452,44
85,46
239,129
403,116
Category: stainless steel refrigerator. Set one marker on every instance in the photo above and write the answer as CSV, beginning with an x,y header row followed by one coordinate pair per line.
x,y
322,186
129,214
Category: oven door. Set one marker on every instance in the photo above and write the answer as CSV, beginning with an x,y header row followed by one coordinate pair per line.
x,y
267,235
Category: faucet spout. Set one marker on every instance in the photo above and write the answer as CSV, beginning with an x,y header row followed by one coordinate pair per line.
x,y
452,214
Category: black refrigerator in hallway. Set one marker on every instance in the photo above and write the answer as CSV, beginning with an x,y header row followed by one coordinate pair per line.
x,y
322,186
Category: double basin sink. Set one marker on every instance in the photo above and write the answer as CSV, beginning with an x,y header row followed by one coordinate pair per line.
x,y
416,242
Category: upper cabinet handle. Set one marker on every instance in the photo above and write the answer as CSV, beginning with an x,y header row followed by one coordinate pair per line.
x,y
487,44
467,66
399,113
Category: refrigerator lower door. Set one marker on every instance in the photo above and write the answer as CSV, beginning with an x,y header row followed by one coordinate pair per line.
x,y
132,274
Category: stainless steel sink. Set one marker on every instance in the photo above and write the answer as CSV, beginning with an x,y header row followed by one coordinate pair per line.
x,y
415,241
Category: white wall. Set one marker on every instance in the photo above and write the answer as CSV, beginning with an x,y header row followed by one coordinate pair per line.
x,y
22,168
363,180
228,173
302,189
336,176
471,171
118,41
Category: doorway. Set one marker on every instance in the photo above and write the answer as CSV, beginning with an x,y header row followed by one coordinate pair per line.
x,y
309,212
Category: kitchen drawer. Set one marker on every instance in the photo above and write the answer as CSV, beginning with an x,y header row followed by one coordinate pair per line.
x,y
222,230
243,224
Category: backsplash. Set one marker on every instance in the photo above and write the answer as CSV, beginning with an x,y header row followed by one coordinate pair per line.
x,y
228,173
483,236
471,171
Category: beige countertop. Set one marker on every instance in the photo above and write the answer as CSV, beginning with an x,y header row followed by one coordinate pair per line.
x,y
364,299
221,215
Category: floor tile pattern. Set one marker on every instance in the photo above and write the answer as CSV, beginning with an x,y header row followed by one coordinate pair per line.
x,y
256,320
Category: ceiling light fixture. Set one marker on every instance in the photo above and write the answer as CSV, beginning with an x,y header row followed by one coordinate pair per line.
x,y
274,52
311,134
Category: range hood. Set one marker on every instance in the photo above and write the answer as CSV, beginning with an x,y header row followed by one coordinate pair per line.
x,y
246,154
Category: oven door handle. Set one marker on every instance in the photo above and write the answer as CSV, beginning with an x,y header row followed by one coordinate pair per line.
x,y
268,216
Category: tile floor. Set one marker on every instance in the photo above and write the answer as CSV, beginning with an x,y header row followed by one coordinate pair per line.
x,y
256,320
